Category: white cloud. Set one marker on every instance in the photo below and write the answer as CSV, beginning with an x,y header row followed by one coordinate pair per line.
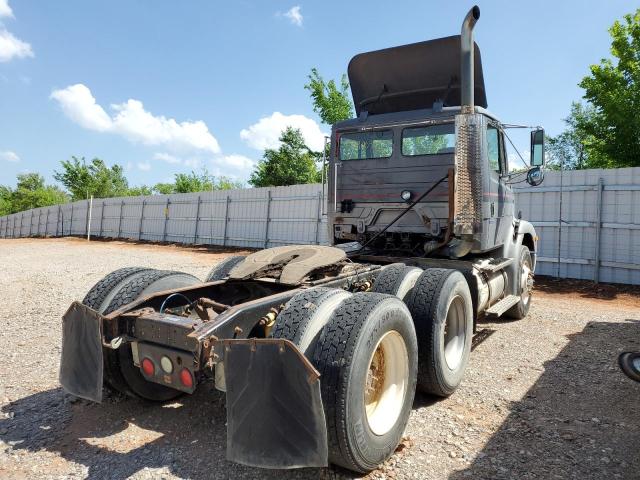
x,y
236,162
9,156
294,15
266,132
134,123
165,157
143,166
12,47
5,9
78,104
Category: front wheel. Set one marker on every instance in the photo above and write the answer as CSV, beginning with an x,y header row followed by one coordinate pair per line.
x,y
525,280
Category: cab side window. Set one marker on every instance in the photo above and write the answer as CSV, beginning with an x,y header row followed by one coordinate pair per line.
x,y
493,148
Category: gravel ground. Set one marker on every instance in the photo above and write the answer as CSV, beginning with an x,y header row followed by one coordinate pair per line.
x,y
542,398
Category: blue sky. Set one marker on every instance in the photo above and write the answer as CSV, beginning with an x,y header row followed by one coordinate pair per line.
x,y
163,87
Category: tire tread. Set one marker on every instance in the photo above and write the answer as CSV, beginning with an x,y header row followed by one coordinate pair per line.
x,y
422,304
221,270
338,341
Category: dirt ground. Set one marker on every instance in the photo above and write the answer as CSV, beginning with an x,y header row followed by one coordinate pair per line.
x,y
542,398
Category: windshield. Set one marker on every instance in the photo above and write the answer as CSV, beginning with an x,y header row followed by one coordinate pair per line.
x,y
363,145
431,140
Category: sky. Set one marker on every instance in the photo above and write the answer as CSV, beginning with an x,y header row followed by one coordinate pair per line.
x,y
162,87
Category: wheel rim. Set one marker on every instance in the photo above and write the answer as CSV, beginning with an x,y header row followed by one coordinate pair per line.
x,y
455,333
386,383
526,282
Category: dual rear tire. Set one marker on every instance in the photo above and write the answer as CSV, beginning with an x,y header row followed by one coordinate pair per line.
x,y
440,304
372,349
115,290
365,348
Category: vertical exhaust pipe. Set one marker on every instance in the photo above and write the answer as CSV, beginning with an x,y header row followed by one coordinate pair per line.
x,y
467,61
467,225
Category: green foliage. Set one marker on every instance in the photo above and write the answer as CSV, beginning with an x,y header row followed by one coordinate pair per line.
x,y
30,192
82,180
574,149
192,182
5,201
613,88
225,183
141,190
291,164
331,103
164,188
197,182
605,133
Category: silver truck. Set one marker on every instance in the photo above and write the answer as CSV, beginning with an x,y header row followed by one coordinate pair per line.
x,y
320,349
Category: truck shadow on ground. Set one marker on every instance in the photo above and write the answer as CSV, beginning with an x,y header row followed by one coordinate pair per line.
x,y
123,436
581,419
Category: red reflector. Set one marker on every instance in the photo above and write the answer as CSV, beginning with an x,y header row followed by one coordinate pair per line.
x,y
186,378
147,367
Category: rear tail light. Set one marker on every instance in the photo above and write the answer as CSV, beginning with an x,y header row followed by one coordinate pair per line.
x,y
148,367
185,378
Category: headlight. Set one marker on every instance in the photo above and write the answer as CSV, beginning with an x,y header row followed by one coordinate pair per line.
x,y
406,195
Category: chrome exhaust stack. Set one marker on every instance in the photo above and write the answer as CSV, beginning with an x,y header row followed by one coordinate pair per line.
x,y
470,150
467,60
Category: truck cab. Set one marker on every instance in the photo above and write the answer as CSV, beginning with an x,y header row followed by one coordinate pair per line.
x,y
381,163
406,140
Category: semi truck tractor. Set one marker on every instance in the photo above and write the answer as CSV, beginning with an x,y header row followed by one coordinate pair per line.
x,y
321,348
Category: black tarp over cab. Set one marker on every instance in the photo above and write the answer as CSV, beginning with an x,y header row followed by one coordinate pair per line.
x,y
411,77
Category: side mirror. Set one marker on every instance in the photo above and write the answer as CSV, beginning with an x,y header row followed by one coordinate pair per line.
x,y
537,148
535,176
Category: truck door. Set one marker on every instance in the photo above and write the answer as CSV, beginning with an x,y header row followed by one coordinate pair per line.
x,y
492,187
499,195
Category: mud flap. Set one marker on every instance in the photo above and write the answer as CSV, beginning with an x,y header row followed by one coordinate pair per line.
x,y
275,417
81,363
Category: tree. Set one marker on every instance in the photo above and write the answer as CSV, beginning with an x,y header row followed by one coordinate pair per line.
x,y
573,148
30,192
82,180
138,191
226,183
332,104
164,188
5,201
196,182
613,88
291,164
192,182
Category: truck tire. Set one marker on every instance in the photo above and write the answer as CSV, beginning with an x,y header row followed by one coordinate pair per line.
x,y
99,298
397,279
366,413
304,316
119,368
442,311
221,270
525,275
